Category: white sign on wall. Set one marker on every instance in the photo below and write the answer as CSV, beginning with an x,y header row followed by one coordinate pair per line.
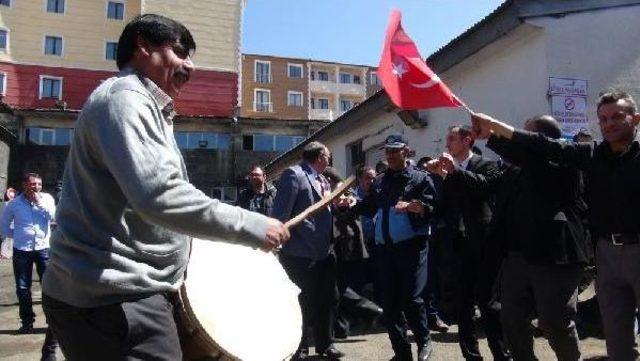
x,y
569,104
567,86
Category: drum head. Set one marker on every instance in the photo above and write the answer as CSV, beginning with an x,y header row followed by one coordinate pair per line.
x,y
244,301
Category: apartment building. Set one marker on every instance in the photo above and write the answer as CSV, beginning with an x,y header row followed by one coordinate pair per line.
x,y
53,53
292,88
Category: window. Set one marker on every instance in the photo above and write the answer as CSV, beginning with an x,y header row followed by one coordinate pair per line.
x,y
356,79
202,140
49,136
225,194
4,39
262,100
320,103
270,142
345,105
5,2
3,83
115,10
263,71
111,50
323,76
285,142
294,99
50,87
374,78
53,45
55,6
295,71
345,78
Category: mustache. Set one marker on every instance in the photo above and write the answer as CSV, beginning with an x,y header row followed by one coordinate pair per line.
x,y
182,75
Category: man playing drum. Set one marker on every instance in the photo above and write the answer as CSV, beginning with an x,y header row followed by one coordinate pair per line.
x,y
127,210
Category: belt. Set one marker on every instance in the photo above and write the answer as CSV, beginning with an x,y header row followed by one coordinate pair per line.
x,y
620,239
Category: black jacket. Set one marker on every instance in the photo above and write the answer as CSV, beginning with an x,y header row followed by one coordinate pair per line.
x,y
466,203
539,208
266,205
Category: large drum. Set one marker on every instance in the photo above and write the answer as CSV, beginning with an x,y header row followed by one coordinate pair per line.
x,y
238,304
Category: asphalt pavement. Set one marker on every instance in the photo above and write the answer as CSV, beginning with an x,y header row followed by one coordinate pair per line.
x,y
371,346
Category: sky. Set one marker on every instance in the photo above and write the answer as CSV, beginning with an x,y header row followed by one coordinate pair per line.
x,y
352,31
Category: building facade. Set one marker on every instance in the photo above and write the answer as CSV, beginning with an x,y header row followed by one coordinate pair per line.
x,y
53,53
292,88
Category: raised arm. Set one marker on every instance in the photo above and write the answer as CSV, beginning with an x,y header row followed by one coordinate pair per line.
x,y
560,151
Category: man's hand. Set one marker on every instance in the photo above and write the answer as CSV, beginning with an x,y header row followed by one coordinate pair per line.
x,y
434,166
345,201
277,234
33,197
412,207
481,125
447,162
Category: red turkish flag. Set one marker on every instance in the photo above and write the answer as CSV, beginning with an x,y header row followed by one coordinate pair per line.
x,y
406,78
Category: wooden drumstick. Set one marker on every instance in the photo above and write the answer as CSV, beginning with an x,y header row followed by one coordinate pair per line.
x,y
313,209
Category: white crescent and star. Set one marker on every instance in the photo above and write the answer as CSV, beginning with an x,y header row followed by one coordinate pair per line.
x,y
399,69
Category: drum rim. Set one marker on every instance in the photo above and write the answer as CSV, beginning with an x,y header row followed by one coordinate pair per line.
x,y
199,330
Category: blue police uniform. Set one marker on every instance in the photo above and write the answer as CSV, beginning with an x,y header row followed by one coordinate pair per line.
x,y
400,252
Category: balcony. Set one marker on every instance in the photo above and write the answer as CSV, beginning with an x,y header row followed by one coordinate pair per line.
x,y
322,114
263,107
337,88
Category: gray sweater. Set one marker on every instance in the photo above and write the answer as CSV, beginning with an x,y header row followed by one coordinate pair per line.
x,y
127,211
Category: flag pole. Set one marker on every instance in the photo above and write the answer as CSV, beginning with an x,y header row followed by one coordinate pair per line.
x,y
471,112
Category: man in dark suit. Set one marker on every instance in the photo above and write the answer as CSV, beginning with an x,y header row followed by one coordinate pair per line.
x,y
308,258
539,224
468,186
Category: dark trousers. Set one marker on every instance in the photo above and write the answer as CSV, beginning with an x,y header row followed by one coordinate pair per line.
x,y
401,276
552,292
23,262
352,276
618,290
475,279
318,294
142,329
432,290
23,272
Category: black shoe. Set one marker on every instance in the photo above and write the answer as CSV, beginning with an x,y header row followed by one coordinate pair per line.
x,y
26,328
340,334
425,352
435,323
332,353
301,354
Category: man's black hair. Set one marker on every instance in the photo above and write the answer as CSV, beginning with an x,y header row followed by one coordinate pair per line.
x,y
157,30
26,176
547,125
362,170
312,151
463,131
614,96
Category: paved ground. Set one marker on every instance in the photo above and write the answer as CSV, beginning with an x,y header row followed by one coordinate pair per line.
x,y
14,347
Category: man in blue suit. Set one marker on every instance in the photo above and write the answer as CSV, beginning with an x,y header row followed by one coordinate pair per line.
x,y
308,257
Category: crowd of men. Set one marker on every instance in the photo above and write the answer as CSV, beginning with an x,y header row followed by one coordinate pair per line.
x,y
521,233
519,230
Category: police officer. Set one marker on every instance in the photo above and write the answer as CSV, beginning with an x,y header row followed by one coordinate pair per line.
x,y
402,199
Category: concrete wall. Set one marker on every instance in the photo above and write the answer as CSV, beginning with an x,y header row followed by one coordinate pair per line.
x,y
600,49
